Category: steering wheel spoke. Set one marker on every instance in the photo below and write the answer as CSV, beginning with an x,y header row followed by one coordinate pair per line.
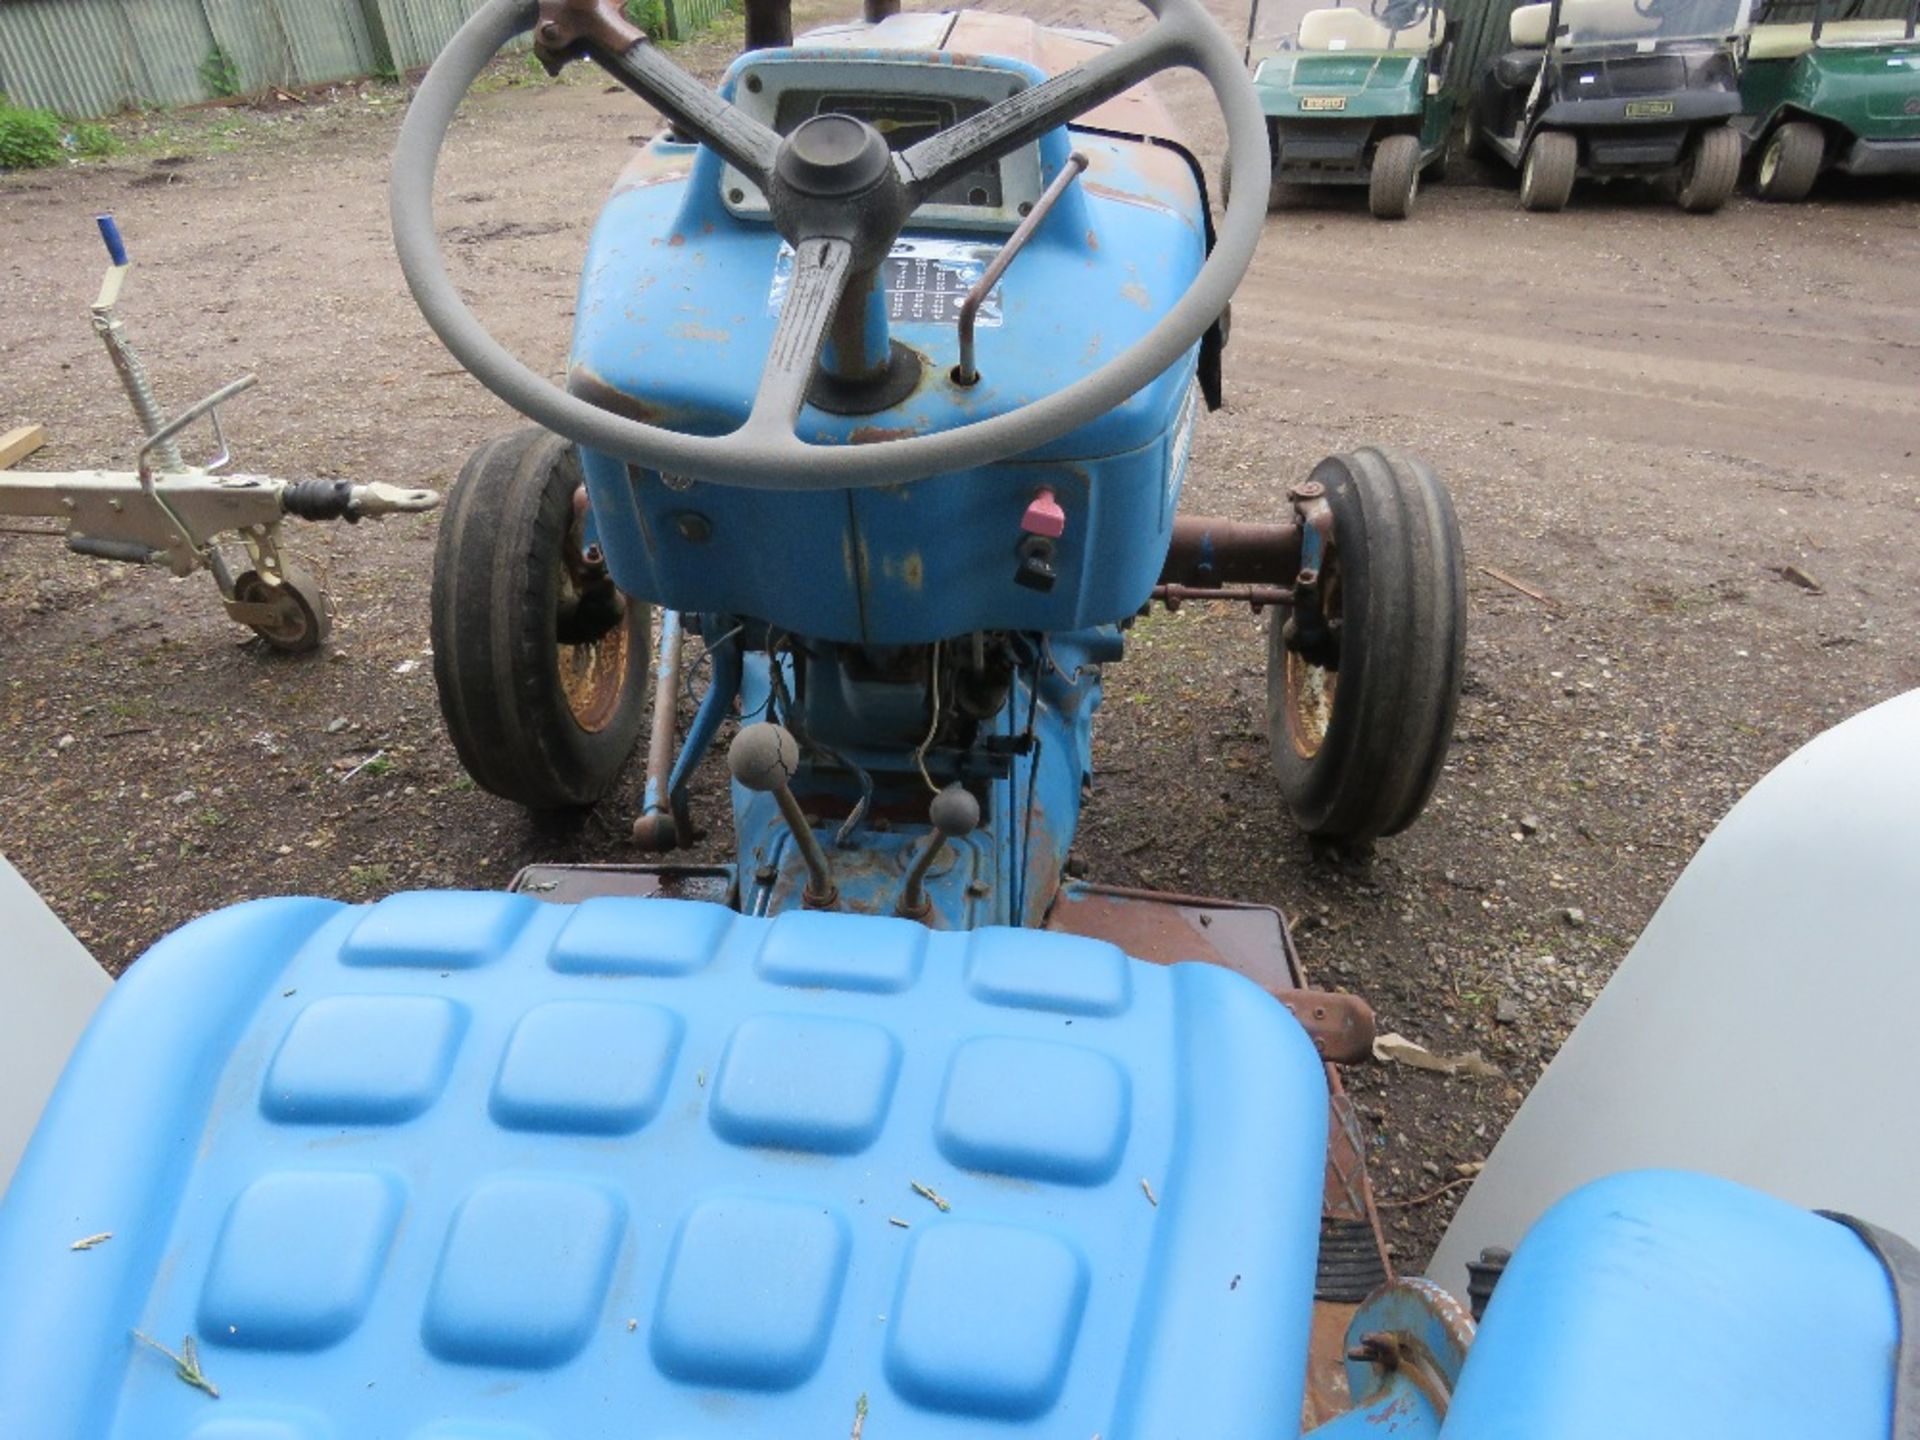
x,y
694,109
1005,127
821,267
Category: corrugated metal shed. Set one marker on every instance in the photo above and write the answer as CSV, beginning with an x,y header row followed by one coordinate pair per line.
x,y
417,29
93,57
292,42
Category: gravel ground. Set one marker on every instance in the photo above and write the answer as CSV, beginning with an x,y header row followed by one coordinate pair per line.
x,y
1646,420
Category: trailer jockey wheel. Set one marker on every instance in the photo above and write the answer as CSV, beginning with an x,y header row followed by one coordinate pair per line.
x,y
1363,679
540,662
300,622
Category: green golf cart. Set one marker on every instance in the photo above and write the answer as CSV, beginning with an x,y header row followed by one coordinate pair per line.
x,y
1354,95
1827,89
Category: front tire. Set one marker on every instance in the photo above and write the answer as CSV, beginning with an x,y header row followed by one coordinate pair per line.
x,y
1359,747
542,684
1395,178
1547,173
1709,171
1790,162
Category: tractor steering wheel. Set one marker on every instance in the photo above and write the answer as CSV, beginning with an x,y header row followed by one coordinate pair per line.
x,y
840,203
1400,14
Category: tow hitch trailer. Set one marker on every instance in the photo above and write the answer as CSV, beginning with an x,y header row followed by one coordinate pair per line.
x,y
168,512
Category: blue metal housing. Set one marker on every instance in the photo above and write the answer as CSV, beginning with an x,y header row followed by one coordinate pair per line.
x,y
469,1165
675,315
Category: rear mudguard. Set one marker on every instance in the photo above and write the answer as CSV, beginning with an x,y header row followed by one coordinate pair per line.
x,y
1763,1027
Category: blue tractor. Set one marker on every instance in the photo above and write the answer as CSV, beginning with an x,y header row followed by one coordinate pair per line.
x,y
885,371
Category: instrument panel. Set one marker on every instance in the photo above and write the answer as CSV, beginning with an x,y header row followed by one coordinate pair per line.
x,y
906,101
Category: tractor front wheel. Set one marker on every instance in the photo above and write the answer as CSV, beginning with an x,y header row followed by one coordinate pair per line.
x,y
1709,171
1360,724
540,663
1395,179
1547,174
1791,162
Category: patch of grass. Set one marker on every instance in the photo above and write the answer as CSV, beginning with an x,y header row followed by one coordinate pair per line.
x,y
650,16
30,139
219,72
365,878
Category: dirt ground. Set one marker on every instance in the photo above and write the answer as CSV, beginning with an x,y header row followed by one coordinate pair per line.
x,y
1645,418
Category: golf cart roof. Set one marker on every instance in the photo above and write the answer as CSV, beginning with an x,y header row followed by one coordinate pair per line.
x,y
1641,24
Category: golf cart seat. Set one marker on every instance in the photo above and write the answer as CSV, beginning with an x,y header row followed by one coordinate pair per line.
x,y
1665,1306
1789,42
473,1164
1340,28
1527,26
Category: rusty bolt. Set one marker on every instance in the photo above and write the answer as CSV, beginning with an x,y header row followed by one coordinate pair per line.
x,y
1307,490
765,875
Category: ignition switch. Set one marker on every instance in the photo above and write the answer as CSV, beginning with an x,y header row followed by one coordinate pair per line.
x,y
1043,524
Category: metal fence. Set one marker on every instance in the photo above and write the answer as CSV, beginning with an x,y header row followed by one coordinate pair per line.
x,y
95,57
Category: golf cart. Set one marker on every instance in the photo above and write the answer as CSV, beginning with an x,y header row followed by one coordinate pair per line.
x,y
1613,89
1829,90
1353,96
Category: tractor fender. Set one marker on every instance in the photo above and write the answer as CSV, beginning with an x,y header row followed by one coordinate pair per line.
x,y
1763,1027
51,987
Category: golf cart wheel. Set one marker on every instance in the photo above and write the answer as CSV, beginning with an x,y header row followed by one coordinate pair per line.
x,y
1709,171
300,623
1395,179
1547,174
1791,162
1358,744
542,682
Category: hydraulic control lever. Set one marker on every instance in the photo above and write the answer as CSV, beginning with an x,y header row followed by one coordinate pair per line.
x,y
954,814
764,757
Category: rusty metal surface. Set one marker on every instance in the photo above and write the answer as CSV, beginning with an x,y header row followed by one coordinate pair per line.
x,y
1209,551
1256,596
1413,1329
1138,111
1248,939
569,28
769,24
569,884
1327,1392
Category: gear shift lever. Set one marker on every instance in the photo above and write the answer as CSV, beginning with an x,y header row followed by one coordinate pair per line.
x,y
763,757
954,815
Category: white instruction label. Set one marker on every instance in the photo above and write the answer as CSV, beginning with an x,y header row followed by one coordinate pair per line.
x,y
927,280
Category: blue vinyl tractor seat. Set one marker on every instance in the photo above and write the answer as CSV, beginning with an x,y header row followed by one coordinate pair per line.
x,y
475,1167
